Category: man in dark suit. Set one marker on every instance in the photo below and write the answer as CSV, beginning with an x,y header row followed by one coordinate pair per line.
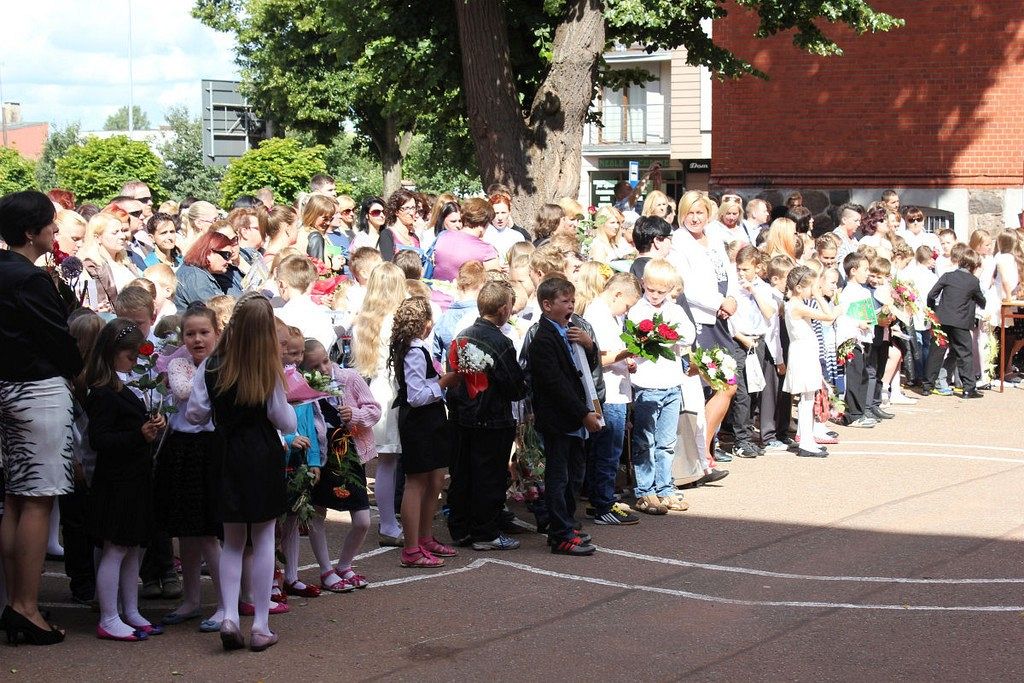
x,y
954,299
561,413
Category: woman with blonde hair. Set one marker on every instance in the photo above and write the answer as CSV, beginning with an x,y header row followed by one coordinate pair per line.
x,y
656,203
105,258
317,214
371,338
609,243
781,240
197,220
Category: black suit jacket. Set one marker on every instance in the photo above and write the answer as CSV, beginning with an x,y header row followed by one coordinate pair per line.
x,y
559,400
960,292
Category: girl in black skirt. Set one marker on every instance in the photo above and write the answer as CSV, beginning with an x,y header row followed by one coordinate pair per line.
x,y
423,430
120,503
187,475
242,387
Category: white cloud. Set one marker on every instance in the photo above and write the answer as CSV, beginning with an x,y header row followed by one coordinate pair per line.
x,y
67,60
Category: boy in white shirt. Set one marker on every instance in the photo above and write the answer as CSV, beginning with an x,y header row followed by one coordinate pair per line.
x,y
920,276
944,262
605,313
858,271
657,399
295,278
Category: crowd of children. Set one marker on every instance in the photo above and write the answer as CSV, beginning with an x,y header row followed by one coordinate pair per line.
x,y
233,423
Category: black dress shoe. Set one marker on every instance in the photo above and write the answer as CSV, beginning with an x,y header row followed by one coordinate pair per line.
x,y
803,453
711,477
974,394
881,414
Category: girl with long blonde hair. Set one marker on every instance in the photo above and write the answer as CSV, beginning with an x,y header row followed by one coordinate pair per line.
x,y
781,240
590,280
609,243
241,386
371,334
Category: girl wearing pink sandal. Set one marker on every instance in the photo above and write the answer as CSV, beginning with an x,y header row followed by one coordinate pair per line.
x,y
423,429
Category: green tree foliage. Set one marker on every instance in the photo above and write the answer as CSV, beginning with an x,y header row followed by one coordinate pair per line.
x,y
96,170
355,170
185,174
119,119
436,176
385,66
16,172
283,164
57,145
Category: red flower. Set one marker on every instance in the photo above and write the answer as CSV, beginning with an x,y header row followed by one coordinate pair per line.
x,y
663,330
645,326
147,349
341,492
670,335
58,255
592,210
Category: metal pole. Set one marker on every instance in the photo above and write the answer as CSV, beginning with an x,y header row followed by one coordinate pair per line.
x,y
131,77
3,111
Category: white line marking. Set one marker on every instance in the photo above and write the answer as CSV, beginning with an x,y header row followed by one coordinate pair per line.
x,y
798,577
939,445
909,454
477,564
369,553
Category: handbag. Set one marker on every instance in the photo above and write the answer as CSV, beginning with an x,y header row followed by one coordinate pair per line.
x,y
755,378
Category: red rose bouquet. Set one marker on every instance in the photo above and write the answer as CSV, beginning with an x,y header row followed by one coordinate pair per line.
x,y
941,338
651,339
844,353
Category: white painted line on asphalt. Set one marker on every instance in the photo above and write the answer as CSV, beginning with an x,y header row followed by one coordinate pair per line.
x,y
938,445
798,577
909,454
477,564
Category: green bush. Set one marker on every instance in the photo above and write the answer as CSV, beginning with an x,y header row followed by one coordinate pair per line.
x,y
96,170
282,164
16,172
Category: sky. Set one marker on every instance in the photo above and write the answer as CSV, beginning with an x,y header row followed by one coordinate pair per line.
x,y
67,60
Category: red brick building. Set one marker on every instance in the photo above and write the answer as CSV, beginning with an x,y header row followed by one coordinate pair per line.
x,y
934,110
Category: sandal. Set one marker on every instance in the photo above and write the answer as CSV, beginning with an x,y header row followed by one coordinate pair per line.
x,y
651,505
438,549
675,504
353,579
339,586
418,558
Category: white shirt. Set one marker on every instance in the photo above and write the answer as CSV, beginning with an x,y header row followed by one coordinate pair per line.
x,y
773,337
922,238
662,373
701,268
607,329
181,374
922,280
419,390
749,320
846,327
314,321
200,408
502,239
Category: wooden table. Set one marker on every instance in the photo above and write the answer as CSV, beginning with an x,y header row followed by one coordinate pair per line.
x,y
1006,312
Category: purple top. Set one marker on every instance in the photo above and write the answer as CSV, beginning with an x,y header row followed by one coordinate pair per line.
x,y
455,248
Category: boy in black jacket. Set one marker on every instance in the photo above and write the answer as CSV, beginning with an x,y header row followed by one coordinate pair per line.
x,y
485,428
562,414
954,298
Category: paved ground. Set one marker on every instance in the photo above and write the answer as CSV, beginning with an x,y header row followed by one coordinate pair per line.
x,y
899,557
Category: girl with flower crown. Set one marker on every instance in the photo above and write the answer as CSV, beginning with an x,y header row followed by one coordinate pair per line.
x,y
122,432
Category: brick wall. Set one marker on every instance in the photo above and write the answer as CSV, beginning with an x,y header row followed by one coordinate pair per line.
x,y
938,103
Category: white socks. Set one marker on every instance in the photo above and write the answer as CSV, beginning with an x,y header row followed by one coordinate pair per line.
x,y
805,422
384,492
118,575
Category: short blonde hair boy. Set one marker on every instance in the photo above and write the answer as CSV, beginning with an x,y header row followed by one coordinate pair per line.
x,y
660,272
297,272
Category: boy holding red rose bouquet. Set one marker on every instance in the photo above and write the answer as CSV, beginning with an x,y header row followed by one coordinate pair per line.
x,y
657,400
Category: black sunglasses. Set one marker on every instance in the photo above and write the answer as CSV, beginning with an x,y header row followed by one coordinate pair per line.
x,y
137,214
226,255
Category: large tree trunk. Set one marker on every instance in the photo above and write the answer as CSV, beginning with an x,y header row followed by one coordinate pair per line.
x,y
392,144
536,153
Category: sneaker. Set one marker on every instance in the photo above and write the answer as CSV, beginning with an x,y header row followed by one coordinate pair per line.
x,y
650,505
151,589
959,391
744,449
502,542
863,423
775,446
902,400
619,515
572,547
722,456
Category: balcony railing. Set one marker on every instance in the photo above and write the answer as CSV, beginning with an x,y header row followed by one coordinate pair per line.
x,y
629,124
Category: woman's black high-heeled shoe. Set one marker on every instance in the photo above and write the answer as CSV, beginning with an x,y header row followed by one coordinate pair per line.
x,y
18,627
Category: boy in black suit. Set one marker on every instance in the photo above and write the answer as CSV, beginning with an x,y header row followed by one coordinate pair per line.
x,y
562,414
954,298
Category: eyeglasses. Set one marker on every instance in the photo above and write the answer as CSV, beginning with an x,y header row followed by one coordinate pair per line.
x,y
145,200
137,214
375,212
226,255
408,209
919,220
348,211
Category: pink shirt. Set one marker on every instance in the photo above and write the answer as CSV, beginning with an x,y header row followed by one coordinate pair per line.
x,y
452,249
365,410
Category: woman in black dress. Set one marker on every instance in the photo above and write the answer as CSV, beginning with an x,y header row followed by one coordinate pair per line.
x,y
120,509
242,386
